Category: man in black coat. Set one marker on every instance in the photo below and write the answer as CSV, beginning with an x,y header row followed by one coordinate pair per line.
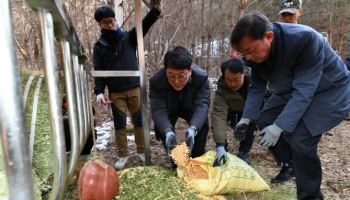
x,y
180,89
116,50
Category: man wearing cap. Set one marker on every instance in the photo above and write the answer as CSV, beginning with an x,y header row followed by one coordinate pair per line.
x,y
116,50
311,91
290,11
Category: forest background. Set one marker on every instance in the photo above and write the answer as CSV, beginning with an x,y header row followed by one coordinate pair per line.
x,y
203,26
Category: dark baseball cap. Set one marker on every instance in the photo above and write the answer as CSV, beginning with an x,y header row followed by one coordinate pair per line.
x,y
290,6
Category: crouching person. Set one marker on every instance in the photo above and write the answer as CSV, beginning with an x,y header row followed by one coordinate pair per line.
x,y
180,89
230,97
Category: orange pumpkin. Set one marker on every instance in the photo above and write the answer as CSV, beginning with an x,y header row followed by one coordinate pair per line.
x,y
97,181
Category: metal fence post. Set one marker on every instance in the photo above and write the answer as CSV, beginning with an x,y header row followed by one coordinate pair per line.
x,y
14,142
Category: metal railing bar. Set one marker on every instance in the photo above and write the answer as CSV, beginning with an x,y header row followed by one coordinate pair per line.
x,y
13,139
86,87
79,101
72,107
64,28
84,105
88,93
26,90
141,57
55,101
33,120
100,73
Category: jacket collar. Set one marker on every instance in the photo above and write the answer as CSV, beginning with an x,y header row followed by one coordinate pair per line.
x,y
274,44
102,41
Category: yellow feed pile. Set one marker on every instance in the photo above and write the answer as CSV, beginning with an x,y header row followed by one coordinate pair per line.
x,y
199,173
180,155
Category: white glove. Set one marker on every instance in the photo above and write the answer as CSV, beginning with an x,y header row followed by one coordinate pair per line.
x,y
221,154
100,98
271,134
244,121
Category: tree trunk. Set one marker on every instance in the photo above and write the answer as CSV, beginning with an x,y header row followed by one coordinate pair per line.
x,y
330,24
341,35
209,36
202,34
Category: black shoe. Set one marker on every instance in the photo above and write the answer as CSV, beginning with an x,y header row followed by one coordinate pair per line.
x,y
320,197
286,173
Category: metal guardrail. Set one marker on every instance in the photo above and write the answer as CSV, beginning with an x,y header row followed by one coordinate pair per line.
x,y
143,78
14,142
54,23
55,110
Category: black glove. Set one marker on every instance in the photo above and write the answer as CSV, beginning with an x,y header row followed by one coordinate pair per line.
x,y
241,129
170,141
190,134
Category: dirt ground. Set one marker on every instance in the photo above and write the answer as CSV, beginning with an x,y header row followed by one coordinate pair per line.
x,y
334,151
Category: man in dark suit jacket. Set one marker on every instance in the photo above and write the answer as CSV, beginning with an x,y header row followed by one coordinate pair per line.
x,y
180,89
311,91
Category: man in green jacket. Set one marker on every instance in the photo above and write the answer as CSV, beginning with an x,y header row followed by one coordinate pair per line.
x,y
230,97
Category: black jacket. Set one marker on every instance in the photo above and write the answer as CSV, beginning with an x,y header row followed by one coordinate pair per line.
x,y
120,56
193,99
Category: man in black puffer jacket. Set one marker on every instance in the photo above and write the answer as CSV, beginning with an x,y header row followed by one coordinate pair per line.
x,y
180,90
116,50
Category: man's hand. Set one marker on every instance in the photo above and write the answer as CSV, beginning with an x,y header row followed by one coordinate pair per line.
x,y
241,129
221,154
190,134
271,134
170,141
101,98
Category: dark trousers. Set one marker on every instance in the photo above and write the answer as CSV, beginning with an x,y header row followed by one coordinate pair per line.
x,y
199,141
302,147
281,151
247,143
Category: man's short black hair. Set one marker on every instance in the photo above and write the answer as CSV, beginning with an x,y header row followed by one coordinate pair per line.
x,y
104,12
178,58
234,65
254,25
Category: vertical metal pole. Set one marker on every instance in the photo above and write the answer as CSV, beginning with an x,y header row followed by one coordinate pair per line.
x,y
60,168
13,139
26,90
86,94
79,102
72,107
84,98
141,56
87,97
33,121
91,115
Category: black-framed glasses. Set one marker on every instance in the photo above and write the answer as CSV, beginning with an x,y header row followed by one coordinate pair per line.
x,y
181,77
